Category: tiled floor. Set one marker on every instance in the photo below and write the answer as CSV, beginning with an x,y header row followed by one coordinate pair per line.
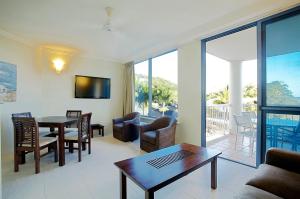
x,y
242,152
97,177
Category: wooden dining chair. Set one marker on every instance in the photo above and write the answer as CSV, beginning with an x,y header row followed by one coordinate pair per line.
x,y
28,115
27,139
23,114
73,114
71,127
82,136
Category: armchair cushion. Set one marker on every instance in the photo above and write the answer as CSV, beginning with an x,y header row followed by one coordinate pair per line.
x,y
119,125
149,136
280,182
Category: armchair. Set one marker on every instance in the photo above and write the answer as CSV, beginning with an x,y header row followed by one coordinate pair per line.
x,y
159,134
126,128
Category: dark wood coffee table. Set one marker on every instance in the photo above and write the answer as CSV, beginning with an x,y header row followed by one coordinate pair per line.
x,y
156,170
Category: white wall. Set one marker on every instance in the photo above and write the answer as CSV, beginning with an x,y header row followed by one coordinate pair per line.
x,y
189,93
43,92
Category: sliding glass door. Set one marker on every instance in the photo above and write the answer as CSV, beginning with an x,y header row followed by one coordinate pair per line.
x,y
278,85
280,105
231,95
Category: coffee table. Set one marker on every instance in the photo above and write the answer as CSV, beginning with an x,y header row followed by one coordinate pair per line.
x,y
156,170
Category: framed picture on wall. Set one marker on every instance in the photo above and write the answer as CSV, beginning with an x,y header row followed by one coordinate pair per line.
x,y
8,82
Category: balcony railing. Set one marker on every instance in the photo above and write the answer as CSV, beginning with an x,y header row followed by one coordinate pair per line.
x,y
218,117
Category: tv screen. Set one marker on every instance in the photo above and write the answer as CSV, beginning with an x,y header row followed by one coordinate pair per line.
x,y
92,87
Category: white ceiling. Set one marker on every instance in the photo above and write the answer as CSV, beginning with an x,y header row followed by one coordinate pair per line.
x,y
139,25
240,46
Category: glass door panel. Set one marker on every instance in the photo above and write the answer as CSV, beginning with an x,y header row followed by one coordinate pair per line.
x,y
283,62
283,131
281,82
231,96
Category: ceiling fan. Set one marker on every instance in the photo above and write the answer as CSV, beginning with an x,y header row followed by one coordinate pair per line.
x,y
107,26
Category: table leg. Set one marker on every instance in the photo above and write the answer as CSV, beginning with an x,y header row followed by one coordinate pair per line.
x,y
101,131
149,195
123,186
214,173
23,157
61,143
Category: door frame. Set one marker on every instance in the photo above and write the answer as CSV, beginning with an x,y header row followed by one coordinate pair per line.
x,y
203,86
262,110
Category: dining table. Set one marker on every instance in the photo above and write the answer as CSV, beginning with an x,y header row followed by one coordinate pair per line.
x,y
59,122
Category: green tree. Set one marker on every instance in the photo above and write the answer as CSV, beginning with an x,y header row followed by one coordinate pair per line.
x,y
163,91
220,97
141,93
278,93
250,91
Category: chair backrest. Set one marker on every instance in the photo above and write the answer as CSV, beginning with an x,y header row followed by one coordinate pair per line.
x,y
131,116
73,114
243,121
26,132
163,122
250,114
24,114
84,125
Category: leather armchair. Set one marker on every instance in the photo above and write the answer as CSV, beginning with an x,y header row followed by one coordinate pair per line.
x,y
126,128
159,134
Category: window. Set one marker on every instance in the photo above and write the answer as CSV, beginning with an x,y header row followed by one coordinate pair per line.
x,y
142,87
283,62
160,75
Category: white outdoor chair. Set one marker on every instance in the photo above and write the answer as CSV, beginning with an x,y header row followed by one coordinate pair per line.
x,y
245,128
252,115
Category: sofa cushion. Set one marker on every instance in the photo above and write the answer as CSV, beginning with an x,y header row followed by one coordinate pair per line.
x,y
280,182
149,136
250,192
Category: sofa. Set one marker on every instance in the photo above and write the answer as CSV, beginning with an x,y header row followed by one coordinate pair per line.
x,y
278,177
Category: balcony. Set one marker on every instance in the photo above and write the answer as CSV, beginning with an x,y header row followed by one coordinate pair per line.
x,y
221,134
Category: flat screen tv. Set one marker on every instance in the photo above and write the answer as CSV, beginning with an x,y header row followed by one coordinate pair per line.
x,y
92,87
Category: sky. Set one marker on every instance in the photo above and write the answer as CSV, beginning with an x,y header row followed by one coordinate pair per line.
x,y
218,73
165,66
285,68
